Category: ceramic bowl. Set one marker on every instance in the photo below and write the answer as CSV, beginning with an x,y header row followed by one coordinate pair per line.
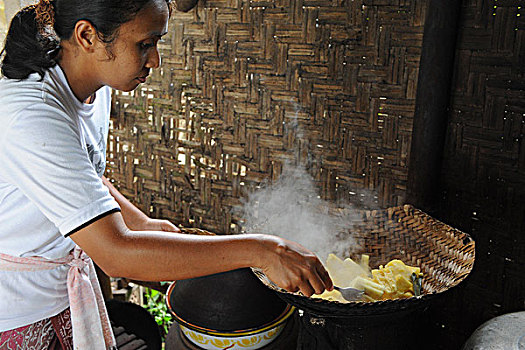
x,y
255,339
230,310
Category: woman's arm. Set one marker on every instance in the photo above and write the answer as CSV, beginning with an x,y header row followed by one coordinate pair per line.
x,y
159,256
134,218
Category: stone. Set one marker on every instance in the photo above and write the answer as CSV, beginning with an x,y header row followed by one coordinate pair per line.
x,y
505,332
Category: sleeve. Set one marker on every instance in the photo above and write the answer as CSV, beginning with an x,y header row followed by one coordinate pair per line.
x,y
42,155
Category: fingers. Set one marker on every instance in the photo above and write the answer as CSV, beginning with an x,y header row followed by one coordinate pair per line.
x,y
317,283
311,279
156,225
310,286
300,285
307,289
168,226
296,268
325,277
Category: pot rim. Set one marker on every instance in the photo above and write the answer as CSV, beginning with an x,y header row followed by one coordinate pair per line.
x,y
287,312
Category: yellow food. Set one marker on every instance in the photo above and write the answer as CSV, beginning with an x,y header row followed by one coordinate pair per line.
x,y
344,272
372,288
332,295
392,281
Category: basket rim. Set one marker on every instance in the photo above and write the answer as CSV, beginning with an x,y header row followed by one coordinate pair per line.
x,y
327,308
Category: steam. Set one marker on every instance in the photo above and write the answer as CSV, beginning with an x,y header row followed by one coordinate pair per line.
x,y
292,208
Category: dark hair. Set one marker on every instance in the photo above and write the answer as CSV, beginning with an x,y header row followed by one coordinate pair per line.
x,y
28,51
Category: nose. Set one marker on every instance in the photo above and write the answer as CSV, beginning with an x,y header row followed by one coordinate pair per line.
x,y
153,60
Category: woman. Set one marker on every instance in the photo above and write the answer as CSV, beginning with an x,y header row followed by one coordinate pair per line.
x,y
60,59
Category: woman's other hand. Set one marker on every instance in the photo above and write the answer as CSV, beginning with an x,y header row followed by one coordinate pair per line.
x,y
157,225
293,267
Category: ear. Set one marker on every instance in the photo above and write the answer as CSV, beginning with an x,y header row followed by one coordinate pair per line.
x,y
86,36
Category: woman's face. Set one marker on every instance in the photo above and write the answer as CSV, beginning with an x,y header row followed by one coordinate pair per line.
x,y
135,50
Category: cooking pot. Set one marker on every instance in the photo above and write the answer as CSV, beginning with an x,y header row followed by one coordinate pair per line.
x,y
232,308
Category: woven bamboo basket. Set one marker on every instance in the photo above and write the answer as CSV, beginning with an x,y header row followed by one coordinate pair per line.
x,y
444,254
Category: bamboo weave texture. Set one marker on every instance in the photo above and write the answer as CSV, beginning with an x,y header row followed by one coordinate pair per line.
x,y
246,87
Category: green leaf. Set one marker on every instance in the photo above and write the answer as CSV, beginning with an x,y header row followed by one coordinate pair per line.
x,y
154,303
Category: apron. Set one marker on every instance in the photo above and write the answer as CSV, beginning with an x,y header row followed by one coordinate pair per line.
x,y
91,328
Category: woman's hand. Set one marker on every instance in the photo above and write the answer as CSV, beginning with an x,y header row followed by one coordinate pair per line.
x,y
293,267
156,225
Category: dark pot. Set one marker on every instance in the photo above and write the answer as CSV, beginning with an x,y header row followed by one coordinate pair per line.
x,y
233,301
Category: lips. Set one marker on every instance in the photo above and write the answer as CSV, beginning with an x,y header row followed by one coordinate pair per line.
x,y
142,79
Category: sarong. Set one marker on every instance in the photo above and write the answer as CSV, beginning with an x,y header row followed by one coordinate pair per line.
x,y
53,333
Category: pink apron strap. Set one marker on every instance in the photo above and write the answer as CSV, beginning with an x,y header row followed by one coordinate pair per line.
x,y
89,318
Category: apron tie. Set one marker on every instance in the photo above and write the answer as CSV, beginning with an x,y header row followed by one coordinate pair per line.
x,y
89,318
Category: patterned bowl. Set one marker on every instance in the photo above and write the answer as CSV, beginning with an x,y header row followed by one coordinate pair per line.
x,y
230,310
255,339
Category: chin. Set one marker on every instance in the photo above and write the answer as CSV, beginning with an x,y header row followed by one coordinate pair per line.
x,y
128,88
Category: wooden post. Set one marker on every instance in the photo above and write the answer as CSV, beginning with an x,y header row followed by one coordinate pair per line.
x,y
432,103
105,283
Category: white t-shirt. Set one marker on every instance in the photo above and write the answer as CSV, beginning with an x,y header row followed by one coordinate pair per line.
x,y
52,155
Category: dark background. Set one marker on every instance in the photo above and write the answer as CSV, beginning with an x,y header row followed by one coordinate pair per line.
x,y
482,188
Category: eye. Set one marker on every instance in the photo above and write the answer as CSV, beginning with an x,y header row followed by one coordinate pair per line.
x,y
146,45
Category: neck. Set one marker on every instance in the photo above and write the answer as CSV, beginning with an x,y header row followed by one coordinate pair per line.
x,y
78,75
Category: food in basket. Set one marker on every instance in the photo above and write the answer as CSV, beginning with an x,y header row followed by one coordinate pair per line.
x,y
395,280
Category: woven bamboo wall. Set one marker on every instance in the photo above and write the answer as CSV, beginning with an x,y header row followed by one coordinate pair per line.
x,y
484,162
247,86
